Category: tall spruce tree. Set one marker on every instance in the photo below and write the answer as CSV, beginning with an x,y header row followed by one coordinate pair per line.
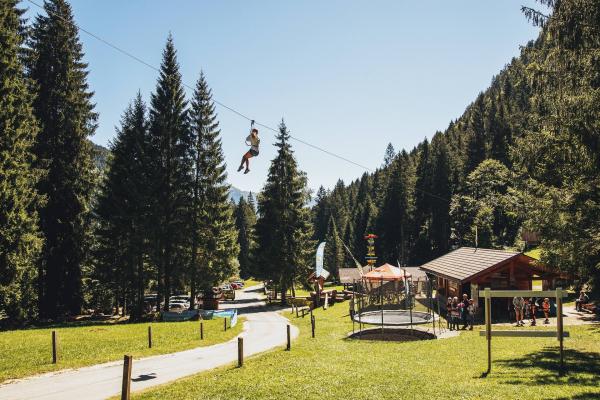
x,y
64,109
284,248
171,165
393,226
321,213
476,148
214,248
334,255
245,221
441,193
423,207
20,240
123,211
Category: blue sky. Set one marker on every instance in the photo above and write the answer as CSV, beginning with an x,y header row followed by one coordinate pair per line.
x,y
349,76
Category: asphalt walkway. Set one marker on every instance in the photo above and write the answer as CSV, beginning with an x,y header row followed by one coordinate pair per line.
x,y
263,330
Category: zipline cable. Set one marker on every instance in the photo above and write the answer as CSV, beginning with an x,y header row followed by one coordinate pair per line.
x,y
223,105
134,57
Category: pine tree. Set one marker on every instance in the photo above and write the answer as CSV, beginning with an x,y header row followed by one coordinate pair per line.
x,y
64,109
441,191
171,166
214,248
333,258
20,240
390,155
321,213
283,232
123,210
476,150
245,221
423,205
393,224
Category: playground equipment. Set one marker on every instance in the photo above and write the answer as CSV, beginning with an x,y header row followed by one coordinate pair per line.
x,y
386,297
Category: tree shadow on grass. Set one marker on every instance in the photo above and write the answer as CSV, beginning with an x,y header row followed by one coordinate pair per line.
x,y
581,368
581,396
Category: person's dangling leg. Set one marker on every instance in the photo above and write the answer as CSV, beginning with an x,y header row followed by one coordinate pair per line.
x,y
242,163
247,157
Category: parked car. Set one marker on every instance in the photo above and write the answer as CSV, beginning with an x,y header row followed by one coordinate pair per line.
x,y
178,306
228,292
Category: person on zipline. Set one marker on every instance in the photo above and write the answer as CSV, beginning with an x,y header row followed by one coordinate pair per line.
x,y
253,141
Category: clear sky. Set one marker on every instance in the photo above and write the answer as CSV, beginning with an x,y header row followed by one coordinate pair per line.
x,y
349,76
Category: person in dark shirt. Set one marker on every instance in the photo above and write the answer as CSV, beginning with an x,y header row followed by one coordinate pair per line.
x,y
465,312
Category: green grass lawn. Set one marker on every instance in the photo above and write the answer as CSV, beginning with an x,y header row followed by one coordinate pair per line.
x,y
332,367
251,282
28,352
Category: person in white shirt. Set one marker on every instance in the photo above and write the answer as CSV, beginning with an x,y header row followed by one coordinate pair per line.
x,y
254,142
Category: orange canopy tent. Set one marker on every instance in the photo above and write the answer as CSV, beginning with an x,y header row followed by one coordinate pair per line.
x,y
386,272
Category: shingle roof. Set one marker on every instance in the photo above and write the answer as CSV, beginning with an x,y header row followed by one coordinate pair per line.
x,y
349,275
465,262
417,273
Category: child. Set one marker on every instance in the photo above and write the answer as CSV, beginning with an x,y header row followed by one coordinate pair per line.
x,y
532,310
546,309
471,313
254,142
449,312
455,312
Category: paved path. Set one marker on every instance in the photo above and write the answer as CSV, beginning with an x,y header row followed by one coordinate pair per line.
x,y
263,330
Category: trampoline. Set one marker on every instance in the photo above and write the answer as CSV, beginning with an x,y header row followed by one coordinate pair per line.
x,y
392,317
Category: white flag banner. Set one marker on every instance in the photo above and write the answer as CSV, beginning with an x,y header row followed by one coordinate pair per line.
x,y
319,260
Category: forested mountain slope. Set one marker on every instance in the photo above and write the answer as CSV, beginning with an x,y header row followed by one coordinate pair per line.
x,y
523,156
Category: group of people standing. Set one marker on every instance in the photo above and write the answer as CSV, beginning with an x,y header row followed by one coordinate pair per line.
x,y
464,311
461,311
527,308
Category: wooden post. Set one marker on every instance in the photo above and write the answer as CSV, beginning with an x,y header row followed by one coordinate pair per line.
x,y
488,327
240,352
225,324
559,326
126,387
312,323
201,330
54,358
150,336
289,339
296,310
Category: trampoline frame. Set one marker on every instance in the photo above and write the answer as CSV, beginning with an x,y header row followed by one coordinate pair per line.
x,y
366,315
377,317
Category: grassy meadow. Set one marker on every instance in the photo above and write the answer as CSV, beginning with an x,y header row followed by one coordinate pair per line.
x,y
333,367
28,351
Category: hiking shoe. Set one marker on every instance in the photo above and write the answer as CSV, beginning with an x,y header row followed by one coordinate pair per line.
x,y
240,168
246,171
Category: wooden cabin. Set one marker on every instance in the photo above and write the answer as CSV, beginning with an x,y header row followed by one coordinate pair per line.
x,y
468,270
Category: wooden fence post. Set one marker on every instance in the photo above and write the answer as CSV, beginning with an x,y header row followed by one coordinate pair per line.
x,y
488,327
289,339
312,323
201,330
126,387
225,323
150,336
559,326
240,352
54,354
